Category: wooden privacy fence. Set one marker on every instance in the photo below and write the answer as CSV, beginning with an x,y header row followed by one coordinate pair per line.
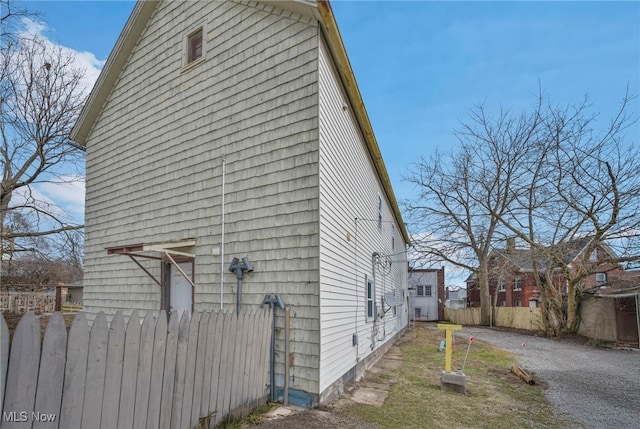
x,y
509,317
21,302
145,374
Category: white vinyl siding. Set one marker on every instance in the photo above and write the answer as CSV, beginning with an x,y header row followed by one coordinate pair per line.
x,y
154,165
425,295
349,236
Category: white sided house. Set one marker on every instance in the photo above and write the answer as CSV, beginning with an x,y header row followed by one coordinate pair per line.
x,y
221,130
426,293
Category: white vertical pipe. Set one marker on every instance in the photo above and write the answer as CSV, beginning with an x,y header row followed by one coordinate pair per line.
x,y
224,171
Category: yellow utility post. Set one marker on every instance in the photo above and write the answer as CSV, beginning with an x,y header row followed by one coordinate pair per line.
x,y
451,381
448,351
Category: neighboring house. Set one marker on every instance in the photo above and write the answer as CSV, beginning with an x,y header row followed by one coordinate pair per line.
x,y
611,312
511,274
426,292
236,129
68,294
456,297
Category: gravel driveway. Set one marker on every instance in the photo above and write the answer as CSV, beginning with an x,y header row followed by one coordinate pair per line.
x,y
596,388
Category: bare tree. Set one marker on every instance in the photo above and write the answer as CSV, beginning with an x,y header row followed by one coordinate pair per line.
x,y
453,217
41,95
545,177
584,190
10,16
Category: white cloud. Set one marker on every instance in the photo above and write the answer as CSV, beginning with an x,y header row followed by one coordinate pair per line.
x,y
67,193
84,60
64,196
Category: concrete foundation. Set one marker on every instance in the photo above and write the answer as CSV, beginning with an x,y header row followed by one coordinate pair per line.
x,y
453,382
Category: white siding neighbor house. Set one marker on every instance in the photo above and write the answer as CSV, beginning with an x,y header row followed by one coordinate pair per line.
x,y
427,294
221,130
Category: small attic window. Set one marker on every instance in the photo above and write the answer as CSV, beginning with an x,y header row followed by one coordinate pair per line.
x,y
194,46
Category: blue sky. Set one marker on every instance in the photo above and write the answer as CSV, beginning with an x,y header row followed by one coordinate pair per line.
x,y
421,65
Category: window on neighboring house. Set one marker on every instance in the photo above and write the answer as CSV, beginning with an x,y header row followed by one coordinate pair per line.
x,y
370,293
594,255
379,212
517,284
424,290
517,303
194,46
417,313
601,279
502,286
503,303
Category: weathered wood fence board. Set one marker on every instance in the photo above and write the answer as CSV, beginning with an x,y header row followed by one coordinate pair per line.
x,y
75,373
4,355
113,373
145,373
24,360
96,368
508,317
166,402
51,374
129,370
157,372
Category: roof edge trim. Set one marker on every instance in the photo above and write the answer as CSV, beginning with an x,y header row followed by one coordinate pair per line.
x,y
111,71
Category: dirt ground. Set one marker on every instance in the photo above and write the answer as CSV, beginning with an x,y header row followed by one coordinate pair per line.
x,y
372,389
315,419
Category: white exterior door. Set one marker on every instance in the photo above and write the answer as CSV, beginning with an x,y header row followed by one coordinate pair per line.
x,y
181,291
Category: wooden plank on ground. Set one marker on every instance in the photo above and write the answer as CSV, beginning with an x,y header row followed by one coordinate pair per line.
x,y
96,369
113,373
192,350
199,369
169,371
181,362
145,358
157,369
129,372
75,373
4,356
51,376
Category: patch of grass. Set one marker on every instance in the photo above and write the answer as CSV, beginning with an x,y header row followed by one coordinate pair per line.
x,y
254,418
495,397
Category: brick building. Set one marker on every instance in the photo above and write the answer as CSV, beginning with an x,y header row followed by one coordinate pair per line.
x,y
511,273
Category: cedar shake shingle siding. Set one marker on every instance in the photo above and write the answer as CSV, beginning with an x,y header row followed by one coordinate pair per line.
x,y
274,97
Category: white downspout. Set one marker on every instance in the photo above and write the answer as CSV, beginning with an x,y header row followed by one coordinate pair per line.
x,y
224,171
